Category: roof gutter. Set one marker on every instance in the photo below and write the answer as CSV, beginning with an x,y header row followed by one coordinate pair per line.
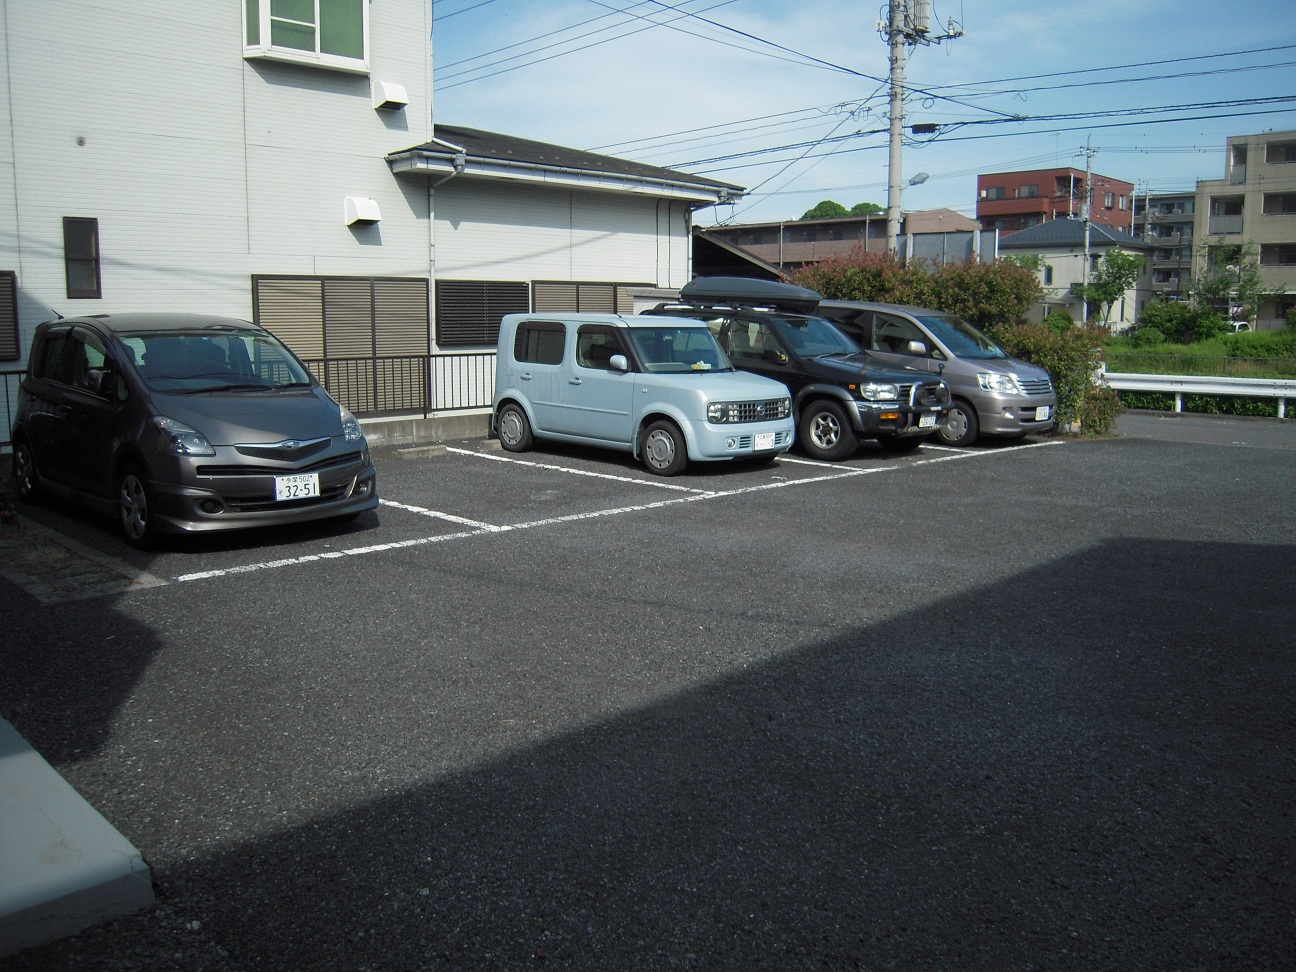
x,y
455,161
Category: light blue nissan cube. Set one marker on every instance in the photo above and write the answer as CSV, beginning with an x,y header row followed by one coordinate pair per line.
x,y
660,388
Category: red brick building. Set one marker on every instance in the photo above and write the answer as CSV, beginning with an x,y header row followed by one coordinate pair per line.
x,y
1012,201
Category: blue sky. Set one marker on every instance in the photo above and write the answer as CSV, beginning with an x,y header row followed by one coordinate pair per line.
x,y
787,98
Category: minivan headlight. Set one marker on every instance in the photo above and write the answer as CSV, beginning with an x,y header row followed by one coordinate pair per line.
x,y
351,430
1000,384
181,439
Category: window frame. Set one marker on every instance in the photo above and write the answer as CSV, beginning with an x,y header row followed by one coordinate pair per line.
x,y
93,260
258,38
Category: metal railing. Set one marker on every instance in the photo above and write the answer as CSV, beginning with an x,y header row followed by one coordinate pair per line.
x,y
405,384
1181,385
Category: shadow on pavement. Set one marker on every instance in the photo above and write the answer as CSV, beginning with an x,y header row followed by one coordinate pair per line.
x,y
1090,766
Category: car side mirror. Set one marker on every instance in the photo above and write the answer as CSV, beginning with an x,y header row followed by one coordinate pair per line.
x,y
618,362
103,383
918,348
775,355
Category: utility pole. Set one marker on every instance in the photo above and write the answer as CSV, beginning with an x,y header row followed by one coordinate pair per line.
x,y
1084,217
908,23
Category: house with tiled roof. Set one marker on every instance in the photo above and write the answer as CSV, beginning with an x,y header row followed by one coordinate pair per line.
x,y
1061,246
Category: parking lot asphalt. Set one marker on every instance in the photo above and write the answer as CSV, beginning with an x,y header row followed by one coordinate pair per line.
x,y
1021,706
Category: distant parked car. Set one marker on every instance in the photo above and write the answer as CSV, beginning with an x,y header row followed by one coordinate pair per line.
x,y
993,393
184,423
840,395
660,389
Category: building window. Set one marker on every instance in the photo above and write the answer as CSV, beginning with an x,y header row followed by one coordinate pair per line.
x,y
1122,202
468,312
81,257
10,349
366,338
995,192
1027,192
1279,203
1280,153
328,33
1278,254
1109,200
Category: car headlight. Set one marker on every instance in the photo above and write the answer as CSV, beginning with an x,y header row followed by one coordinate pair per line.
x,y
1000,384
879,392
181,439
351,431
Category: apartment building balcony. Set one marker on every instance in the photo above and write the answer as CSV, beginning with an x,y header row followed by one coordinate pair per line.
x,y
1225,225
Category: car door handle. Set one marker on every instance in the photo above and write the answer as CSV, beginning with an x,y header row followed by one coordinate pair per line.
x,y
525,376
573,381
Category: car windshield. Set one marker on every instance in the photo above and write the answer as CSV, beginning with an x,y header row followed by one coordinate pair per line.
x,y
813,337
679,349
214,359
962,339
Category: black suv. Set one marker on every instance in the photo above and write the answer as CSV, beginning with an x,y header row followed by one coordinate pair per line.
x,y
839,394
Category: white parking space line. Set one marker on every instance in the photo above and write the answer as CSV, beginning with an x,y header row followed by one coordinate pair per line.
x,y
479,528
438,515
496,457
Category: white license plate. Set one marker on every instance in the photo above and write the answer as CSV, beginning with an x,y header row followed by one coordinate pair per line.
x,y
927,421
1042,413
764,440
302,486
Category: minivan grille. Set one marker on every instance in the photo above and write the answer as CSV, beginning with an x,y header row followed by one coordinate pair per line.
x,y
287,451
332,462
1036,386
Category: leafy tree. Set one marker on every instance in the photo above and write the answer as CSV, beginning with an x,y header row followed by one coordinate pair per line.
x,y
987,294
827,209
1229,282
1117,272
1180,321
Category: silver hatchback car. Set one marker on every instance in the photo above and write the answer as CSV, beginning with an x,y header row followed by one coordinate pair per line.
x,y
184,423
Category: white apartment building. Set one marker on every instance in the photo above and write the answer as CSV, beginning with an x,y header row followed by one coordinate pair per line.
x,y
279,162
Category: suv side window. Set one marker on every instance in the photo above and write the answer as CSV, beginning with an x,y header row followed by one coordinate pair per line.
x,y
539,342
893,334
595,345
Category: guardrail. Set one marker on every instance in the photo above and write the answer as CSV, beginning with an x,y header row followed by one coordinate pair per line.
x,y
1181,385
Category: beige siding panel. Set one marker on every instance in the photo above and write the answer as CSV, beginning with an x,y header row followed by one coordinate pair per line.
x,y
401,314
293,310
348,318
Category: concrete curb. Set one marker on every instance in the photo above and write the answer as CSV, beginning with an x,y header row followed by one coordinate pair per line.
x,y
62,865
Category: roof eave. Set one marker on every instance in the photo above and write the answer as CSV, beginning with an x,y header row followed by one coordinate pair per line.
x,y
442,164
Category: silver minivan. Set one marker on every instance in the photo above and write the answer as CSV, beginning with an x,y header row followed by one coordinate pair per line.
x,y
993,393
184,423
660,388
